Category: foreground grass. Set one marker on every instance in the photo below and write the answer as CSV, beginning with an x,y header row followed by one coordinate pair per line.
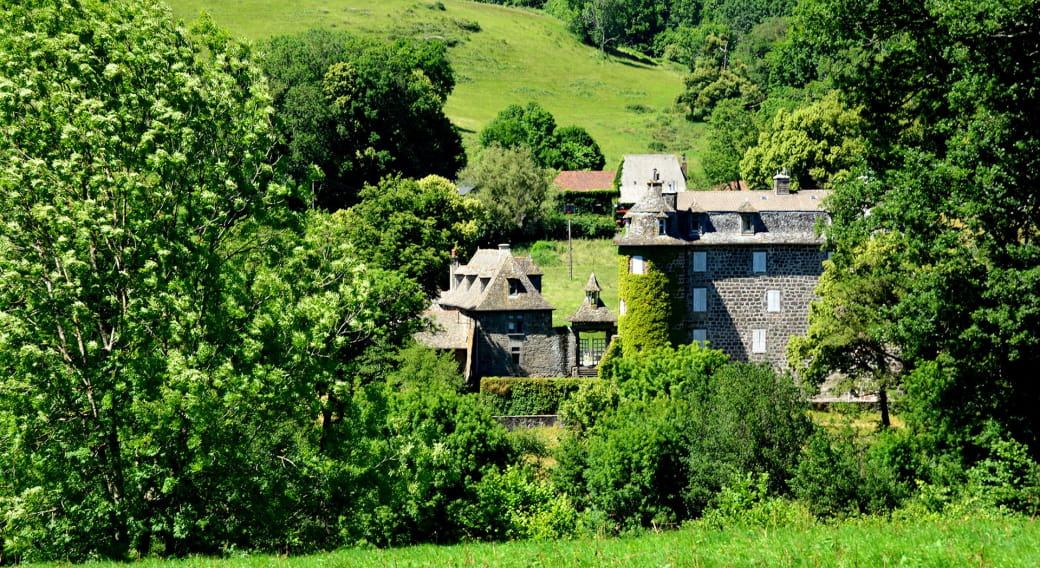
x,y
501,56
991,542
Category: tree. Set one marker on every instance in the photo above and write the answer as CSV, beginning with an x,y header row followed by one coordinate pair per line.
x,y
412,227
113,337
731,131
568,148
949,93
818,144
850,325
512,188
174,340
360,110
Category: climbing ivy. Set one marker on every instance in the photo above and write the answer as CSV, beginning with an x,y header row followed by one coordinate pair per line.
x,y
651,310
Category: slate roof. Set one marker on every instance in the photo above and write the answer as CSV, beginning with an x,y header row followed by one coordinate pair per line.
x,y
589,312
450,330
638,169
485,285
804,200
585,181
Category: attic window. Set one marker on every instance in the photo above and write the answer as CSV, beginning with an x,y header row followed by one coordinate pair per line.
x,y
515,287
747,225
662,227
515,324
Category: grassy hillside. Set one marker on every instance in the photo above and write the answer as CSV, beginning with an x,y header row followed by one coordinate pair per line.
x,y
501,56
566,293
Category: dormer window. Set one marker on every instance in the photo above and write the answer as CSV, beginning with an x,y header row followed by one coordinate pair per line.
x,y
662,227
747,224
515,287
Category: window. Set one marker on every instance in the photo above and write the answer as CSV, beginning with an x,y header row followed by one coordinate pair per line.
x,y
637,265
700,261
773,301
700,299
758,261
696,227
758,341
622,308
747,226
662,226
514,352
515,287
701,336
515,324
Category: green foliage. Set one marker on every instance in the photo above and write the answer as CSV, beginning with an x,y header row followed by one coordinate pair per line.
x,y
582,225
515,504
746,502
839,474
512,188
682,422
518,396
819,144
360,110
567,148
413,227
706,86
952,165
732,130
592,399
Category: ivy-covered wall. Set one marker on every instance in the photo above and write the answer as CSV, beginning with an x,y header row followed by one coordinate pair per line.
x,y
528,396
654,307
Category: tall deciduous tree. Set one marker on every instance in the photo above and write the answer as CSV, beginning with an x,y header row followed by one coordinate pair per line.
x,y
512,188
360,110
170,334
567,148
818,144
949,92
413,227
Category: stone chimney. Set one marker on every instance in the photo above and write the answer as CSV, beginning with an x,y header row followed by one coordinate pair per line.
x,y
782,183
452,268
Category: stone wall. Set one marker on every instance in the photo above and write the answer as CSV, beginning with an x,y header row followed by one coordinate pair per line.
x,y
736,297
542,353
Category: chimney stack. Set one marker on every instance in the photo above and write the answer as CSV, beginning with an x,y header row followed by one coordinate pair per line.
x,y
782,183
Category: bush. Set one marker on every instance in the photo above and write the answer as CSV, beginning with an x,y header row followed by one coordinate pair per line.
x,y
520,396
840,475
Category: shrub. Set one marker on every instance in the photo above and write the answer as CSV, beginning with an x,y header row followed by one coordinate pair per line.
x,y
839,475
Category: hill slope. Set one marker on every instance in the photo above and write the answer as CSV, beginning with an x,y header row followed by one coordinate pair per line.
x,y
501,56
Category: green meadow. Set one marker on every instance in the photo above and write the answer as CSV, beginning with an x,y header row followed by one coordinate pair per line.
x,y
501,56
867,542
583,257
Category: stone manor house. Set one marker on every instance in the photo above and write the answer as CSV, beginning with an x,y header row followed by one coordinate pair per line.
x,y
742,264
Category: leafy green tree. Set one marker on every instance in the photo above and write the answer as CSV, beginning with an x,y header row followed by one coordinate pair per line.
x,y
850,325
732,131
567,148
360,110
512,188
818,144
707,85
412,227
686,423
948,93
131,151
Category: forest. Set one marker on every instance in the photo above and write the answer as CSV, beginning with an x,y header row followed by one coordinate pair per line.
x,y
215,253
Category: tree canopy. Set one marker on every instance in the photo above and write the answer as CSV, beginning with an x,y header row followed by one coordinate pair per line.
x,y
360,110
567,148
948,93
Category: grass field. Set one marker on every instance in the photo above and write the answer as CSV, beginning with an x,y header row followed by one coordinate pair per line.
x,y
868,542
566,293
501,56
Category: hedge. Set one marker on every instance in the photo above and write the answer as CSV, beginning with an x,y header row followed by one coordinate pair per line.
x,y
523,396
